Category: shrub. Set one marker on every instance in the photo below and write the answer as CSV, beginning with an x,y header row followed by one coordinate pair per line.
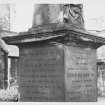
x,y
10,94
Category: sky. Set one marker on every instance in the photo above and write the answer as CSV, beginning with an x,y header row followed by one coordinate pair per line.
x,y
93,11
94,14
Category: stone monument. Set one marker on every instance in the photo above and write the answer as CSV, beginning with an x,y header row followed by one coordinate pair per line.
x,y
57,60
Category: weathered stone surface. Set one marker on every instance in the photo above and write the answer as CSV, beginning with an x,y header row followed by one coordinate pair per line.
x,y
80,74
41,74
2,68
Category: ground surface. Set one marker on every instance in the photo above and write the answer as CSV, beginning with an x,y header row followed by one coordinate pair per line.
x,y
101,99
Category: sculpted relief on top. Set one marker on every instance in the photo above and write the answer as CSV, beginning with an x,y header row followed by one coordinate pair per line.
x,y
58,13
73,14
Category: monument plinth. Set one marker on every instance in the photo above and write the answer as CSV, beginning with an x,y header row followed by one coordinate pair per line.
x,y
57,64
57,57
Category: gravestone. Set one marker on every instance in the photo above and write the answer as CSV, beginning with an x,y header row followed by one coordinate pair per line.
x,y
3,65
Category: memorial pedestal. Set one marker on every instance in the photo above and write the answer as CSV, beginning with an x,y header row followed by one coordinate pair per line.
x,y
57,64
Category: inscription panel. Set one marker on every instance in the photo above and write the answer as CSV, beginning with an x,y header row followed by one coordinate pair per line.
x,y
80,76
41,74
